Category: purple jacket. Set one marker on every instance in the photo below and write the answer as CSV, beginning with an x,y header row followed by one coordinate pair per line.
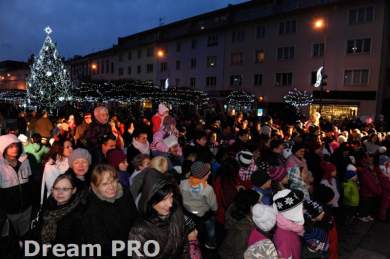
x,y
287,243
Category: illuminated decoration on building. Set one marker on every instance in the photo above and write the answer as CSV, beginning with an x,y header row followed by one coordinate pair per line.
x,y
240,100
126,92
48,84
318,77
298,98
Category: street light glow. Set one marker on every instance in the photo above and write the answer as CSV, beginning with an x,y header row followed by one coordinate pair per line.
x,y
94,66
160,53
319,24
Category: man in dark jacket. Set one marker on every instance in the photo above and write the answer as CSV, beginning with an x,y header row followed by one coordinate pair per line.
x,y
97,128
81,129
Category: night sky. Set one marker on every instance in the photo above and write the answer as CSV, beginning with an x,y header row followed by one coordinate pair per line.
x,y
85,26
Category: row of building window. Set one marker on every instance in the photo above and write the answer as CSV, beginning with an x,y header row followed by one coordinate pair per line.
x,y
358,77
360,15
285,53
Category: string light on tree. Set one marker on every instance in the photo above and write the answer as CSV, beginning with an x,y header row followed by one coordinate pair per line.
x,y
240,100
298,98
48,84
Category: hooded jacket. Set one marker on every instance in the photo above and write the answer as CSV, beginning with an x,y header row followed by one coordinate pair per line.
x,y
15,186
169,231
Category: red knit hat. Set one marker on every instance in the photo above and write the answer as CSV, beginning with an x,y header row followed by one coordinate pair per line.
x,y
328,168
115,157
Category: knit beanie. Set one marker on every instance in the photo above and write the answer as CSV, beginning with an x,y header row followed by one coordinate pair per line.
x,y
316,240
264,216
312,209
259,177
296,147
23,138
115,157
350,172
277,173
162,108
245,157
199,169
290,204
6,140
79,153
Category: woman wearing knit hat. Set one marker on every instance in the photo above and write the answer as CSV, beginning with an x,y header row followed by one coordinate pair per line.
x,y
199,199
238,225
79,163
247,167
289,223
260,243
168,128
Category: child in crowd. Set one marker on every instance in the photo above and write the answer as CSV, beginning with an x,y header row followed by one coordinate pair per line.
x,y
289,223
247,167
260,243
351,192
199,199
261,183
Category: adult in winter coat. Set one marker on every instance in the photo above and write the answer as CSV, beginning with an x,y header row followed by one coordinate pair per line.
x,y
79,168
139,145
161,217
238,225
56,164
44,126
15,185
97,128
111,210
62,215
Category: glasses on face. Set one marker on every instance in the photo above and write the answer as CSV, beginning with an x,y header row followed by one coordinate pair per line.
x,y
112,183
57,189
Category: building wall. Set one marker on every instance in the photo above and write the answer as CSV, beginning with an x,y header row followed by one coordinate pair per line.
x,y
246,19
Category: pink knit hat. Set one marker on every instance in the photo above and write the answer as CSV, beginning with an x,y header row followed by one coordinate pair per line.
x,y
277,173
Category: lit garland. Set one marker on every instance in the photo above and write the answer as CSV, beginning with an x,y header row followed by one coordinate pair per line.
x,y
48,84
240,99
298,98
124,92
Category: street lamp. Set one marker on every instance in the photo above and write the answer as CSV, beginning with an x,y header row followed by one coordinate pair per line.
x,y
160,53
94,66
320,24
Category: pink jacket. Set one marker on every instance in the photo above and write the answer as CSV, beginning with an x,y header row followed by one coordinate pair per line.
x,y
255,236
158,143
288,243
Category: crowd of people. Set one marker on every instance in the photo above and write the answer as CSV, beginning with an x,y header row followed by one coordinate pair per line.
x,y
233,186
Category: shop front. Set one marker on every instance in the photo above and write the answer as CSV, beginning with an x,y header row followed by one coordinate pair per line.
x,y
336,111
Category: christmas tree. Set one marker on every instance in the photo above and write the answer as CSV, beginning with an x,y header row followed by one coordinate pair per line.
x,y
48,84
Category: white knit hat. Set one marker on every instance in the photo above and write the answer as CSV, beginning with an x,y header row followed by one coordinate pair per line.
x,y
290,204
23,138
170,141
264,216
7,140
245,157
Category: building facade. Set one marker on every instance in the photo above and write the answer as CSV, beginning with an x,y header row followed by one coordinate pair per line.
x,y
13,75
267,48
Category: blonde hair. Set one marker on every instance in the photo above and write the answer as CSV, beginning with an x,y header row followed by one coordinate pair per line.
x,y
159,163
99,171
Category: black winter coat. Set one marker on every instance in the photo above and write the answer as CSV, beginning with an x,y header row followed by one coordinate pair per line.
x,y
105,221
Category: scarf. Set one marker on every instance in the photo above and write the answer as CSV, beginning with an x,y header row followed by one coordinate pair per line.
x,y
119,194
143,148
286,224
52,217
197,185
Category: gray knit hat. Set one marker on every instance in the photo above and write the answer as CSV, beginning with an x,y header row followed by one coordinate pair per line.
x,y
79,153
199,169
